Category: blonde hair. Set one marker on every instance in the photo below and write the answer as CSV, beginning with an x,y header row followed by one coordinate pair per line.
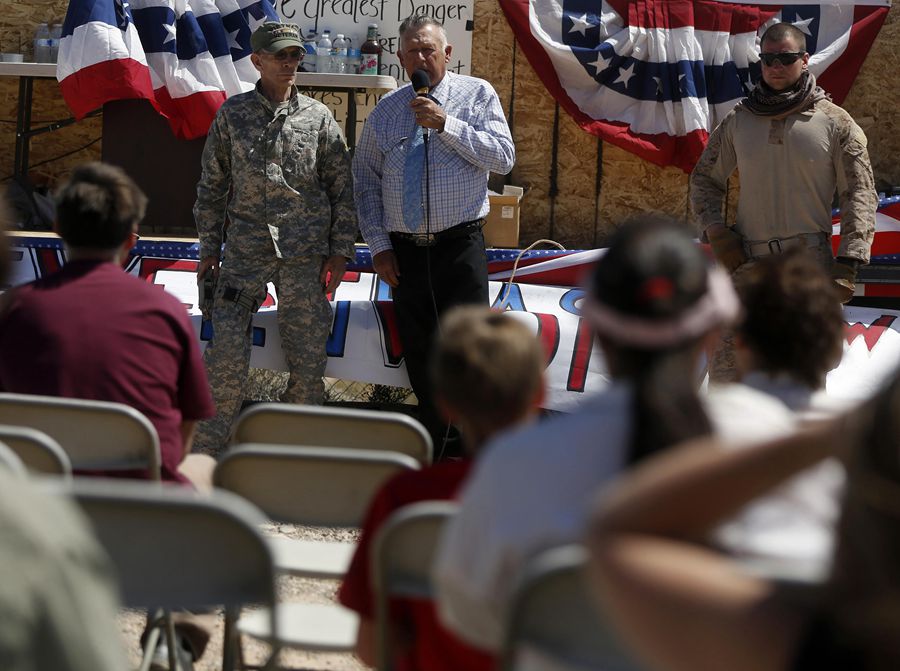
x,y
487,366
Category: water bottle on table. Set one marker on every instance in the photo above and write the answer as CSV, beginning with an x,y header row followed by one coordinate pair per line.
x,y
339,54
309,60
323,53
42,44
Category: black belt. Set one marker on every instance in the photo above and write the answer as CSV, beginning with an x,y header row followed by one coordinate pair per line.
x,y
431,239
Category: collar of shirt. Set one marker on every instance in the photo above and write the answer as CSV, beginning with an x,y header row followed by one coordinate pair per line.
x,y
274,108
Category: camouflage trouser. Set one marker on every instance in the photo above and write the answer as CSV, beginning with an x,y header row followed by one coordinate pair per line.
x,y
304,322
723,360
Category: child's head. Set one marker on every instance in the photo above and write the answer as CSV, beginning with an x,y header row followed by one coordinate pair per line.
x,y
487,369
793,325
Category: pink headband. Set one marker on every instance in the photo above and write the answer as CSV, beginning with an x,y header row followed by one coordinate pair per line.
x,y
719,305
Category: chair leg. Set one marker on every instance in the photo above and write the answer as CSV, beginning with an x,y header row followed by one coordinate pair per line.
x,y
150,643
232,641
172,642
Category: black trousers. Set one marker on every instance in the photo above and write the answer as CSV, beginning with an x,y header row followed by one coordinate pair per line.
x,y
458,272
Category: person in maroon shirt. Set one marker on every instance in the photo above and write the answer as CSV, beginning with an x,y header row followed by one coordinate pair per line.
x,y
92,331
488,373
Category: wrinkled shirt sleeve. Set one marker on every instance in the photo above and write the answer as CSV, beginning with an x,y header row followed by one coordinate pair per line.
x,y
337,182
709,179
213,188
484,140
367,173
857,196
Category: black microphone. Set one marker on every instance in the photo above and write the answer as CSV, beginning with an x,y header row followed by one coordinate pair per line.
x,y
421,82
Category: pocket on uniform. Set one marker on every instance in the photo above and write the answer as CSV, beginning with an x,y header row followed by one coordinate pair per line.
x,y
299,159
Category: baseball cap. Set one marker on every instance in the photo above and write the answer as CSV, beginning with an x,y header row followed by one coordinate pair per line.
x,y
273,36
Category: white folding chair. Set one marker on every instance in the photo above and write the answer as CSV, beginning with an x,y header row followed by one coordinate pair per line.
x,y
401,564
174,549
10,461
291,424
312,486
553,616
96,435
38,451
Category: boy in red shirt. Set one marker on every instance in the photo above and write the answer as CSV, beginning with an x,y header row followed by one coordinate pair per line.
x,y
488,373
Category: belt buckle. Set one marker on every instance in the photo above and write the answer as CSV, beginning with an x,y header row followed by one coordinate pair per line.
x,y
777,249
422,239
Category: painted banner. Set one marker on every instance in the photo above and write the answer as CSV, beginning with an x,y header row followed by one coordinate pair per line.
x,y
364,344
654,77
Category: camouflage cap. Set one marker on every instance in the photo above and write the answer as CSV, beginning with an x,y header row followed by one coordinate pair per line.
x,y
273,36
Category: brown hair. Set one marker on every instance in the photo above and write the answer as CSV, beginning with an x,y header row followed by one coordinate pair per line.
x,y
98,207
781,31
488,366
793,321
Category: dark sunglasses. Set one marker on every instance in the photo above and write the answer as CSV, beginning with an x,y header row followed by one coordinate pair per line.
x,y
785,58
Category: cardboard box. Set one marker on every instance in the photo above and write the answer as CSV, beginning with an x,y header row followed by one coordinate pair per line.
x,y
501,228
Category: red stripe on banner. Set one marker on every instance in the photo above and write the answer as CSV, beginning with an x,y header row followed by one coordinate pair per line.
x,y
393,348
871,334
660,149
120,79
881,290
548,334
191,116
48,261
581,356
706,15
839,77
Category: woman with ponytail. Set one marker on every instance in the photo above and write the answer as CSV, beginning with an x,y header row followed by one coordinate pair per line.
x,y
654,302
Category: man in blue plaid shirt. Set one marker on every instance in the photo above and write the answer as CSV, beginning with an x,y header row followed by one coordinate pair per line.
x,y
421,171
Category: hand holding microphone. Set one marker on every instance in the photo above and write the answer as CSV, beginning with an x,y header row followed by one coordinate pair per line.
x,y
426,110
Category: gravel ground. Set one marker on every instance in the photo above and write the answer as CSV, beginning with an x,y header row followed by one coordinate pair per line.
x,y
289,589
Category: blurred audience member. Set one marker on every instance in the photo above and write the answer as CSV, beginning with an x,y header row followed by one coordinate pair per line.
x,y
488,373
653,301
684,607
57,599
92,331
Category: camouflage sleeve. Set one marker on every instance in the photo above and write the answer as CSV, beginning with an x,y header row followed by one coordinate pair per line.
x,y
337,180
857,197
213,187
709,179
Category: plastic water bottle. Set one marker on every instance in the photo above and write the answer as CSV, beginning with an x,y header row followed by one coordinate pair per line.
x,y
323,53
339,54
354,61
55,37
42,44
309,60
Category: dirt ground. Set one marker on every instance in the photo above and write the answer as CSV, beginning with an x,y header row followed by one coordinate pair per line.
x,y
289,589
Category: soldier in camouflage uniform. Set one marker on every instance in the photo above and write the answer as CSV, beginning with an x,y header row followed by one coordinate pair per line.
x,y
291,222
793,149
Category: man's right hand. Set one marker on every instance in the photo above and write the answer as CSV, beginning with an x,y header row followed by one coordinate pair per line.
x,y
386,266
207,263
727,246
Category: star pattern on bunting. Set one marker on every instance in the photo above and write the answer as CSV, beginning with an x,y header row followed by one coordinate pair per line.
x,y
625,75
170,29
601,63
803,25
580,24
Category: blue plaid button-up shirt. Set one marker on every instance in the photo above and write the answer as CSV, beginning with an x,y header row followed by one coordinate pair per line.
x,y
475,141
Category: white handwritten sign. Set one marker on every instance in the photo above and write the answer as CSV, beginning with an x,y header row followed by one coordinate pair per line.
x,y
351,17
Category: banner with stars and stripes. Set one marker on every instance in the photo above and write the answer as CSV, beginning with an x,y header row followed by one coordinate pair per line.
x,y
184,57
655,76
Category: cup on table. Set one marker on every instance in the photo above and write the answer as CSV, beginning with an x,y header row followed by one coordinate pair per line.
x,y
11,58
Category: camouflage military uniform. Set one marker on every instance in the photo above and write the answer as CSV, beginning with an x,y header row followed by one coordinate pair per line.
x,y
291,205
790,168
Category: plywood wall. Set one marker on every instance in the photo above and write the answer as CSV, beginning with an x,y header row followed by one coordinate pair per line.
x,y
581,212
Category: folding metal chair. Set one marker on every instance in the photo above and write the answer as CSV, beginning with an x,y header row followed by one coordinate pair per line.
x,y
38,451
96,435
312,486
401,564
10,461
553,615
291,424
174,549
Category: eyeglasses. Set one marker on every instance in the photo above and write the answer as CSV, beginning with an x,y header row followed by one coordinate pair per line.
x,y
785,58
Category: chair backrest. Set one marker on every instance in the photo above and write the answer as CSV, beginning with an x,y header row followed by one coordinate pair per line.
x,y
290,424
552,614
315,486
175,549
10,461
401,563
96,435
38,451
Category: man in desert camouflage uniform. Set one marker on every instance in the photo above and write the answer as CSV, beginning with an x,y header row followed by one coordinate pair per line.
x,y
793,149
291,222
